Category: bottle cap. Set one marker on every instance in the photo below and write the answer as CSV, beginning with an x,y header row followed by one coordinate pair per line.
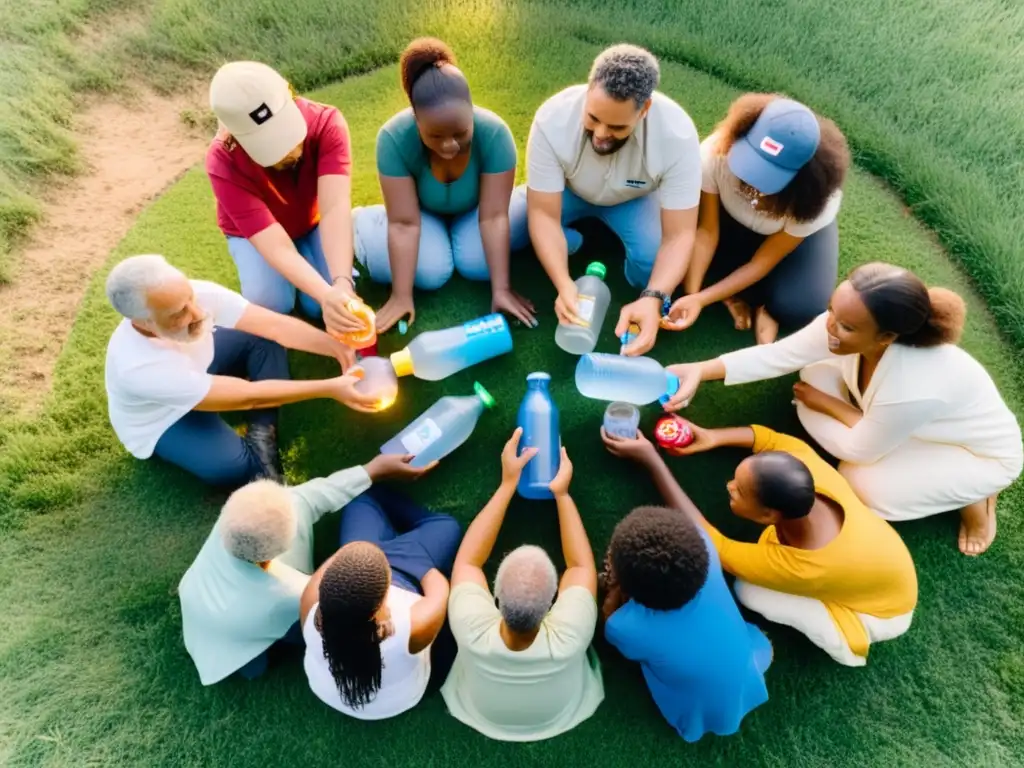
x,y
671,387
401,361
403,327
539,376
483,394
597,269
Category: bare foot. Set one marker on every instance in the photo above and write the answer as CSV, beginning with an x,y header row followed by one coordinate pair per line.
x,y
740,312
978,526
766,327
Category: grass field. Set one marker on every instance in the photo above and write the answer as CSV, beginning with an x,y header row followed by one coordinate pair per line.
x,y
93,543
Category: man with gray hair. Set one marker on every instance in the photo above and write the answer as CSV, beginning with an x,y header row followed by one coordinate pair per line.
x,y
241,594
169,376
617,150
525,670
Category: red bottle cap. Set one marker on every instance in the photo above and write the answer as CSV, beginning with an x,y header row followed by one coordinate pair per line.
x,y
673,432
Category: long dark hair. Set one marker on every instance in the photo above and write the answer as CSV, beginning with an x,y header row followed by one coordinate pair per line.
x,y
903,305
806,196
429,74
351,592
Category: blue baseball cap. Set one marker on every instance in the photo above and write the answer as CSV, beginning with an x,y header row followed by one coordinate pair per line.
x,y
782,141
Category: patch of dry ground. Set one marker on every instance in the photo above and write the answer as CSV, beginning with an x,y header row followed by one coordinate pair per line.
x,y
133,150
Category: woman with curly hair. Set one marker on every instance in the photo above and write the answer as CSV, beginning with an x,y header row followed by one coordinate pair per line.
x,y
917,424
372,612
667,606
767,244
446,171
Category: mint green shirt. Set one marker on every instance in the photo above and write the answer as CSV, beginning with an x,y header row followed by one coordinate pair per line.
x,y
529,695
401,153
232,610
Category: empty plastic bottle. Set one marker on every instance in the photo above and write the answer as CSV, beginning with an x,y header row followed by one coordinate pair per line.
x,y
538,416
435,355
637,380
621,420
592,300
378,380
440,429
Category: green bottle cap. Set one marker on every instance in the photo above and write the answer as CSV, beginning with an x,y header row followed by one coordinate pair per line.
x,y
597,269
483,394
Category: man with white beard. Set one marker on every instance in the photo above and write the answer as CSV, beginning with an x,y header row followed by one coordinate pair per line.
x,y
188,350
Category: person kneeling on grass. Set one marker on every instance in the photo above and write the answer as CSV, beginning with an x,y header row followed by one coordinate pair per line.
x,y
825,565
373,615
525,670
241,595
668,607
190,349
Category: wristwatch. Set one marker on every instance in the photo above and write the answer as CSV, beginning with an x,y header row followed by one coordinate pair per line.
x,y
664,298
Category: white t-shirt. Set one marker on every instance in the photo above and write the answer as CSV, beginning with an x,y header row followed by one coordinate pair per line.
x,y
151,383
662,154
404,676
717,179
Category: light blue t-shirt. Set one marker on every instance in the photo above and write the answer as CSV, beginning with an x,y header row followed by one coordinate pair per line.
x,y
704,665
401,153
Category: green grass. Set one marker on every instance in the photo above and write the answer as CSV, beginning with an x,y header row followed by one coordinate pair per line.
x,y
93,543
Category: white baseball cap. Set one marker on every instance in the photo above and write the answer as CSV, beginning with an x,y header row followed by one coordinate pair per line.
x,y
255,104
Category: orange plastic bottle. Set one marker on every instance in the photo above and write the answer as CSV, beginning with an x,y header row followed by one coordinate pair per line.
x,y
366,337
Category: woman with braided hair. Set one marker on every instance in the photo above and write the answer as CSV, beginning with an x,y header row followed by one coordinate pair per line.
x,y
446,171
371,613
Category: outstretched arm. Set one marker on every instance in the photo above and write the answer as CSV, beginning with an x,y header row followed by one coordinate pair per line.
x,y
580,569
479,540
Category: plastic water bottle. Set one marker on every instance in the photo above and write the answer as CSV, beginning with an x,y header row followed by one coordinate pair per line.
x,y
621,420
440,429
592,300
378,380
636,380
538,416
435,355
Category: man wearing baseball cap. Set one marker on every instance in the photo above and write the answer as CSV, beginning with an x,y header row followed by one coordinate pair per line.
x,y
767,242
279,167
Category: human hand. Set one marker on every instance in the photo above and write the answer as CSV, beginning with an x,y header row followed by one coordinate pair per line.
x,y
638,449
565,305
689,375
343,389
511,303
338,318
684,313
392,466
394,310
560,485
646,313
810,396
512,462
345,355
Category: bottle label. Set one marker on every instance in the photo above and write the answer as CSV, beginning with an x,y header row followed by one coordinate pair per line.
x,y
421,438
485,326
585,308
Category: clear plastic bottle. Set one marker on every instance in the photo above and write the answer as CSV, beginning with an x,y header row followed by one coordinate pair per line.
x,y
378,380
636,380
538,416
593,298
621,420
435,355
440,429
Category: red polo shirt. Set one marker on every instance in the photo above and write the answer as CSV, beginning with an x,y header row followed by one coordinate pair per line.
x,y
250,198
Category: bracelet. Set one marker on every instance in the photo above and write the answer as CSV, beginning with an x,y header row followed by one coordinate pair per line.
x,y
664,298
344,277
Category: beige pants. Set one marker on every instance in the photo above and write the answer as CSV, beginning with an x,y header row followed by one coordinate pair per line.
x,y
812,618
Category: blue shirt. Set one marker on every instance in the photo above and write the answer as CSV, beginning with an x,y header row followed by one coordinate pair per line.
x,y
703,664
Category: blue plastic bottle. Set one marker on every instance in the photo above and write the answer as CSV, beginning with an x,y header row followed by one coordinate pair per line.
x,y
538,416
440,429
435,355
636,380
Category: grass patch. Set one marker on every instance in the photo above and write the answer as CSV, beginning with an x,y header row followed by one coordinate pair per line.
x,y
93,544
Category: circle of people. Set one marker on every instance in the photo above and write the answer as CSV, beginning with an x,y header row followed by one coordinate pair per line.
x,y
746,217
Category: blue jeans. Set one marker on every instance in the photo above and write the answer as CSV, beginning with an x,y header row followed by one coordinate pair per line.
x,y
256,667
201,442
445,246
265,286
636,223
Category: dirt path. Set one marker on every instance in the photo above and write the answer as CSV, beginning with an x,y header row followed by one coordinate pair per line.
x,y
133,150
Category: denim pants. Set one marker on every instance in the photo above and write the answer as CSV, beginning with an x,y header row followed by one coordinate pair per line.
x,y
201,442
265,286
293,638
446,245
636,223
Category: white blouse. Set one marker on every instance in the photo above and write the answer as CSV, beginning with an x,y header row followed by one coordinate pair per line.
x,y
934,394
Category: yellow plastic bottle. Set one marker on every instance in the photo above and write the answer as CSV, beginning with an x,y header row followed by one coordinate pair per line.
x,y
368,336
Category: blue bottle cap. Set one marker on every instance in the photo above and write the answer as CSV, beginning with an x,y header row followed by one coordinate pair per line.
x,y
403,327
539,376
672,386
